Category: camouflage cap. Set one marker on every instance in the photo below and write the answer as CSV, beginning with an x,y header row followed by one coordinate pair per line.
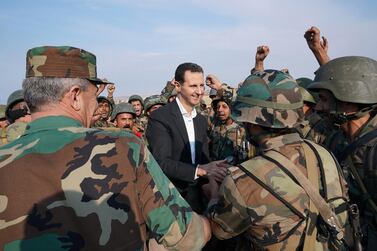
x,y
270,99
122,108
307,96
136,97
61,62
154,100
2,111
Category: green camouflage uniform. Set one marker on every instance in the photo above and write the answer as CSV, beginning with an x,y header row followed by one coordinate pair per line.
x,y
3,131
63,186
229,140
77,179
103,122
268,206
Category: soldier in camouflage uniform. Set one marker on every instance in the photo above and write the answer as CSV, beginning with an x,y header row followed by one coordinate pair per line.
x,y
65,186
105,107
3,125
227,139
124,116
137,103
18,115
259,198
348,92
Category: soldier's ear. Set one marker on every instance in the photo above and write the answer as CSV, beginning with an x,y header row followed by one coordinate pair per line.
x,y
75,97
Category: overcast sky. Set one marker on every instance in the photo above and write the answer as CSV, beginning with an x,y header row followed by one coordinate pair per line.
x,y
139,43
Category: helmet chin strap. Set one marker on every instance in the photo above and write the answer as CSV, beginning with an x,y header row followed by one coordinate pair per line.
x,y
342,117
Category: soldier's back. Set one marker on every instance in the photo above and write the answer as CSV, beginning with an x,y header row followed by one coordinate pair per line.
x,y
65,185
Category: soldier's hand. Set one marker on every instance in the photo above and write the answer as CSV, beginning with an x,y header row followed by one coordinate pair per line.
x,y
216,170
317,46
110,89
213,82
262,52
313,39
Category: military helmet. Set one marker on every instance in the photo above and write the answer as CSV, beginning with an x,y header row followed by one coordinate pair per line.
x,y
14,98
136,97
271,99
307,96
2,111
350,79
122,108
154,100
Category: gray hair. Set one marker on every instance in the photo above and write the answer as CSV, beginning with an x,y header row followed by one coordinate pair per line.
x,y
40,91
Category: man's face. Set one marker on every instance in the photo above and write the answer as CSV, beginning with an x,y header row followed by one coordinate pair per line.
x,y
89,104
136,104
222,111
124,120
326,101
192,89
103,109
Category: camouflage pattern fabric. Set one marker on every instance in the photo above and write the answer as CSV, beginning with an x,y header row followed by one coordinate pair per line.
x,y
153,100
359,160
65,187
273,221
229,140
141,123
61,62
271,99
15,130
103,123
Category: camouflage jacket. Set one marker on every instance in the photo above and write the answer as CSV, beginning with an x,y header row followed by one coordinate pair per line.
x,y
15,130
269,207
229,140
63,187
141,123
360,161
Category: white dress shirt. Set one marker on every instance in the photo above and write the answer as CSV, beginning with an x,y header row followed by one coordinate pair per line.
x,y
188,118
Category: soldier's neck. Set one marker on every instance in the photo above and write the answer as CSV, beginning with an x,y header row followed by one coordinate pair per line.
x,y
353,128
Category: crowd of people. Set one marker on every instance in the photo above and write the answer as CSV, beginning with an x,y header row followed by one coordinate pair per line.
x,y
273,163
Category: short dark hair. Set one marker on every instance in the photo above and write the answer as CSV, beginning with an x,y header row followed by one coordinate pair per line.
x,y
182,68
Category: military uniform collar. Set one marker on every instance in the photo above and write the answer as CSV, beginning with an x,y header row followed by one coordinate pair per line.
x,y
51,122
280,141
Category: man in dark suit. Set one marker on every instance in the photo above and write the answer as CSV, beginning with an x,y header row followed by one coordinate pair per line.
x,y
177,137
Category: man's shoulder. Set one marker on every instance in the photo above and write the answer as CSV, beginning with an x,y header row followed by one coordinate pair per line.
x,y
163,111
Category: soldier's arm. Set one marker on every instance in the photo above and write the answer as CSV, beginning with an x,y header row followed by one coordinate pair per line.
x,y
170,219
228,214
316,45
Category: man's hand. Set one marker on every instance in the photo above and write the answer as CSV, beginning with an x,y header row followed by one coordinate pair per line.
x,y
216,170
213,82
260,55
316,45
110,90
262,52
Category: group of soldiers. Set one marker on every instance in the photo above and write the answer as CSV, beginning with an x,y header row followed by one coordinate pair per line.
x,y
301,154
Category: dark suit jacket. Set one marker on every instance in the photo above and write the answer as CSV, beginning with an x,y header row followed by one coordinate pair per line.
x,y
168,141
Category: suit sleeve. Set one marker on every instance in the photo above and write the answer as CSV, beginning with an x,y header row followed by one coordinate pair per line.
x,y
169,217
161,145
